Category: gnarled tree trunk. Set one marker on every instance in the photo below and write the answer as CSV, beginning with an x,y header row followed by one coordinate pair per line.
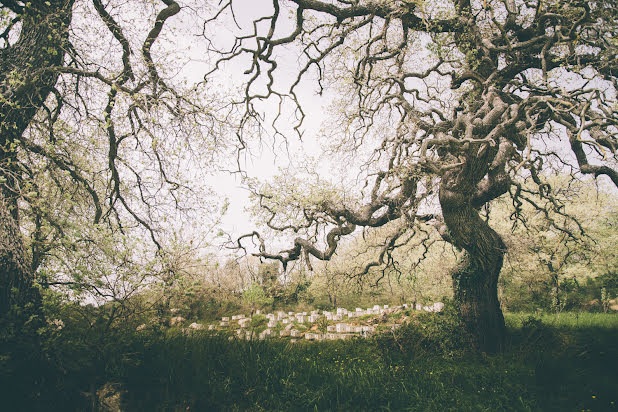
x,y
475,279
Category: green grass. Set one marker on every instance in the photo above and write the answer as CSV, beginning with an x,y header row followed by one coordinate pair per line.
x,y
564,363
569,320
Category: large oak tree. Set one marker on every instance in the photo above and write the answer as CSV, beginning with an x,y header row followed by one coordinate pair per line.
x,y
466,100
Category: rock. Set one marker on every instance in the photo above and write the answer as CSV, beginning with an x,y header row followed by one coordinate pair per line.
x,y
110,398
196,326
176,320
141,327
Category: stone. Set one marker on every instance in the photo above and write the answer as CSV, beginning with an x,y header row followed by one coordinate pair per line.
x,y
211,327
196,326
243,323
438,306
222,323
236,317
289,326
258,312
285,321
141,327
294,333
284,332
314,318
337,317
176,320
329,316
174,310
419,306
265,333
300,318
225,319
281,315
272,323
331,328
385,306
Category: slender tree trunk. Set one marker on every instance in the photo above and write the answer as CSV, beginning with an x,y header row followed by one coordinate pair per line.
x,y
475,279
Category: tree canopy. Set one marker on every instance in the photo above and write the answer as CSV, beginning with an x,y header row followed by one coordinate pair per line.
x,y
462,101
442,108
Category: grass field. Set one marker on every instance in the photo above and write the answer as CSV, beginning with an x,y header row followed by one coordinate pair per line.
x,y
565,362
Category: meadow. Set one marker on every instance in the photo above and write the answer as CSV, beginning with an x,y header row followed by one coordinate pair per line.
x,y
563,362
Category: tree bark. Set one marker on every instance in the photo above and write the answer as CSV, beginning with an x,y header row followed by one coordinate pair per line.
x,y
475,279
25,84
15,277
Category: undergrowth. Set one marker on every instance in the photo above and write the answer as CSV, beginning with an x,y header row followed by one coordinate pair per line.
x,y
549,364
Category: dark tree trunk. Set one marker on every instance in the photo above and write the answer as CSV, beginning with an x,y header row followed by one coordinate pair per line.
x,y
17,287
25,84
475,279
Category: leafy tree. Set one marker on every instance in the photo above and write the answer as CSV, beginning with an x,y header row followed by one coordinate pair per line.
x,y
545,265
255,297
445,106
92,130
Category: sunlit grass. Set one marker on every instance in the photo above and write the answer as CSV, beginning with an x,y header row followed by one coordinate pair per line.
x,y
568,319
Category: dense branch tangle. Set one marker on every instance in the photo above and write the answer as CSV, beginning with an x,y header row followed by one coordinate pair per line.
x,y
91,123
474,97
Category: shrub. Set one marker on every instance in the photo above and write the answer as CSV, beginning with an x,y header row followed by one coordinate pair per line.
x,y
441,333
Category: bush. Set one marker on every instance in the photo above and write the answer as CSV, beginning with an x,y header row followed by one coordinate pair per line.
x,y
426,333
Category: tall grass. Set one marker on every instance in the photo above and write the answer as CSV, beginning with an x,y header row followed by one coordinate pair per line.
x,y
557,364
550,363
